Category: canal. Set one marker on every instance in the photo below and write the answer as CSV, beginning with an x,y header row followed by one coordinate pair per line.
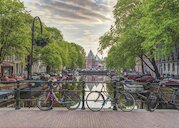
x,y
100,84
28,95
91,84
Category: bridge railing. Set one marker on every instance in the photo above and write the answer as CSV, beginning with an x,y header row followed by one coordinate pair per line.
x,y
23,91
12,92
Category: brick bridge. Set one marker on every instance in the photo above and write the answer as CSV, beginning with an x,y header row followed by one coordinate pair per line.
x,y
58,118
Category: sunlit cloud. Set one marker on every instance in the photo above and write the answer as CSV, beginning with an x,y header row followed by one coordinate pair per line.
x,y
81,21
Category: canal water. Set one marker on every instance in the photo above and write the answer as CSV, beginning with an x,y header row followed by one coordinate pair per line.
x,y
96,83
91,85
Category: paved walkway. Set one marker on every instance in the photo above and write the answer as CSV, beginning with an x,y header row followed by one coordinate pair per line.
x,y
87,119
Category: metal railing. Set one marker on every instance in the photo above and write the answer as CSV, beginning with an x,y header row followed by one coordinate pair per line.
x,y
27,86
17,87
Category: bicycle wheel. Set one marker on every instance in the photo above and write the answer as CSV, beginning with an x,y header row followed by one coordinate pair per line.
x,y
153,102
126,102
95,101
43,103
176,100
72,101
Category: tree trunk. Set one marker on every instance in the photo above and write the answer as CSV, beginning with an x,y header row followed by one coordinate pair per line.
x,y
155,67
142,65
153,62
28,67
147,65
48,68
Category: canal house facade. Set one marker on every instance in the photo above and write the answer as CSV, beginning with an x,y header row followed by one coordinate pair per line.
x,y
168,66
11,66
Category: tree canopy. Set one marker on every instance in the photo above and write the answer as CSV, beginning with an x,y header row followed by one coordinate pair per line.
x,y
143,29
15,39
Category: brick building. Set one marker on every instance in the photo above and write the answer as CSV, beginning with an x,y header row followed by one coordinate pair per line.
x,y
11,66
93,62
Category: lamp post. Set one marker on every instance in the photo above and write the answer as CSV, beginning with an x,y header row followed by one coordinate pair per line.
x,y
29,76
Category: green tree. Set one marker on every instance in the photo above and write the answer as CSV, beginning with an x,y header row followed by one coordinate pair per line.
x,y
55,34
159,27
123,38
15,33
143,29
80,55
51,56
13,30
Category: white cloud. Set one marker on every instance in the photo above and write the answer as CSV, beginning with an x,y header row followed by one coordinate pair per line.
x,y
81,21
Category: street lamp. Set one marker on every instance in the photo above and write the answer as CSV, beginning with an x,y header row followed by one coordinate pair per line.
x,y
39,43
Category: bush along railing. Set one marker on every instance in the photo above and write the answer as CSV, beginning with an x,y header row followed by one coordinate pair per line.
x,y
26,93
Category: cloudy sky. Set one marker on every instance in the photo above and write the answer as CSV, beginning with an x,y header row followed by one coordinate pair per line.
x,y
81,21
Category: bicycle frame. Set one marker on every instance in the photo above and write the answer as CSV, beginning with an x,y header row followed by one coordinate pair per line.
x,y
108,98
143,97
53,97
102,92
172,99
139,94
122,100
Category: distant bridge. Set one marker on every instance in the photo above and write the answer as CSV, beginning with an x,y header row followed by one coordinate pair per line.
x,y
93,72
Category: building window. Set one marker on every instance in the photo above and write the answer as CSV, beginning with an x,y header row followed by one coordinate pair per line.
x,y
17,69
16,58
173,67
164,67
11,58
168,67
172,56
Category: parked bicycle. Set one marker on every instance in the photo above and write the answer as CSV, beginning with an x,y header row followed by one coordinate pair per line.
x,y
69,99
159,97
96,100
140,96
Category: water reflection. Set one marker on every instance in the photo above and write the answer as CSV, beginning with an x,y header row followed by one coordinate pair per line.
x,y
94,78
90,86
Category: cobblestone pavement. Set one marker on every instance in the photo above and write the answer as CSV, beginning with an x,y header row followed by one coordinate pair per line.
x,y
87,119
